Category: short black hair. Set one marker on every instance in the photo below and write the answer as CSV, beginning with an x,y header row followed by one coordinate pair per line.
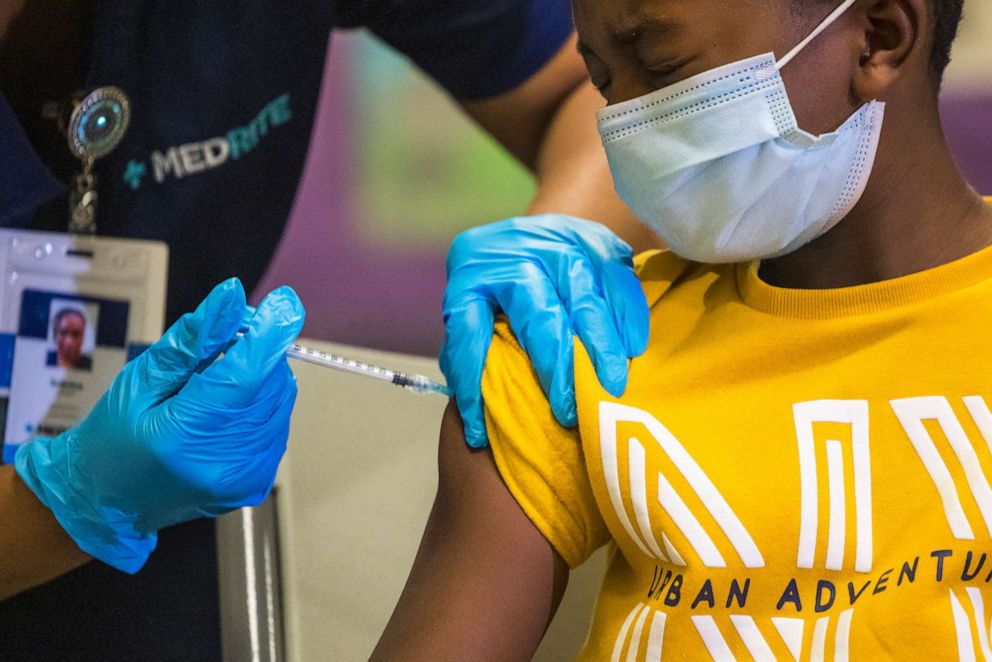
x,y
946,15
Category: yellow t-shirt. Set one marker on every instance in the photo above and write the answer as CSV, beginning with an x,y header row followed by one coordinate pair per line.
x,y
790,475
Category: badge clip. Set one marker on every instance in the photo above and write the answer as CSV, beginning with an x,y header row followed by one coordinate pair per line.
x,y
96,125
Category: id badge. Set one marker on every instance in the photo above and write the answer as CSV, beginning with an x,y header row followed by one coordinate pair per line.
x,y
73,310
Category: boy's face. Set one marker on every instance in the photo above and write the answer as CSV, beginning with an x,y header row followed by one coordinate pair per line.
x,y
633,47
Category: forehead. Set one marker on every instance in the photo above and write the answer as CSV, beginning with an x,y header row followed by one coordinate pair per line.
x,y
713,20
71,319
629,15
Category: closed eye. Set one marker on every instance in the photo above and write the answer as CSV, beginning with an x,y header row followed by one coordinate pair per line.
x,y
664,73
599,73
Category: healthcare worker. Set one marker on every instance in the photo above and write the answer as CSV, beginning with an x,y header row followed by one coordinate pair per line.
x,y
169,441
222,100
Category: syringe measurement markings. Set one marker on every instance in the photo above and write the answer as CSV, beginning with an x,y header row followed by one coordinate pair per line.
x,y
416,383
351,363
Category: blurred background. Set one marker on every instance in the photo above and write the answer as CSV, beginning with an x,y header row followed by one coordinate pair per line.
x,y
387,188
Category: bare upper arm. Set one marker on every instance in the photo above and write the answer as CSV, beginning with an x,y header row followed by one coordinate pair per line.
x,y
519,119
485,583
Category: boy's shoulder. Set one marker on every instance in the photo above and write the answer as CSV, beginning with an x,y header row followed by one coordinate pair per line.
x,y
661,270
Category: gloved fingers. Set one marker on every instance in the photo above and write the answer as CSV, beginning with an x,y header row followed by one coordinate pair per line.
x,y
593,322
247,317
269,412
236,379
625,299
468,334
248,482
613,260
221,432
472,245
543,327
600,243
163,369
226,457
277,388
562,391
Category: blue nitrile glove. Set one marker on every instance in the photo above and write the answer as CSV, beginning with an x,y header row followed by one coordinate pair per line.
x,y
168,443
553,276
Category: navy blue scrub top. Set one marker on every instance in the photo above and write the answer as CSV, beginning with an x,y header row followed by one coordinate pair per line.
x,y
223,101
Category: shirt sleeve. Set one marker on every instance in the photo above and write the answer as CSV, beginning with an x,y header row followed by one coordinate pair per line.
x,y
473,48
542,463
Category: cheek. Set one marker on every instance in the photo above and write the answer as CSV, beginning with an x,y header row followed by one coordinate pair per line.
x,y
820,93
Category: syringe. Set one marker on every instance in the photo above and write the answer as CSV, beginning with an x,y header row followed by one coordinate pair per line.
x,y
416,383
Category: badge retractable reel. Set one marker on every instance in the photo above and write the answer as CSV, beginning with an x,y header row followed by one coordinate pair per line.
x,y
75,307
97,125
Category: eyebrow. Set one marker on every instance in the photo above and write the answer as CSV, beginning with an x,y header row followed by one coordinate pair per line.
x,y
653,25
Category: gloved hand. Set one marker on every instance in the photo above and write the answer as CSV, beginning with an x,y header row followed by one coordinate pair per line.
x,y
553,276
167,443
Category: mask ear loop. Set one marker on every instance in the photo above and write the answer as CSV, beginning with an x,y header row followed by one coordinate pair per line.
x,y
826,23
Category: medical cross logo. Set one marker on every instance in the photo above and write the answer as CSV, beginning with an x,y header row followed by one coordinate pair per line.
x,y
133,174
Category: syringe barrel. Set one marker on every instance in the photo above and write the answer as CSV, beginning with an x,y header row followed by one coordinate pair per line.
x,y
415,383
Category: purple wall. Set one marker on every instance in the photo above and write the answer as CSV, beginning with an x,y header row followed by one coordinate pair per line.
x,y
968,125
355,292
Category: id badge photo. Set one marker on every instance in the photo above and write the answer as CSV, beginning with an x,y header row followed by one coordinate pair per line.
x,y
73,310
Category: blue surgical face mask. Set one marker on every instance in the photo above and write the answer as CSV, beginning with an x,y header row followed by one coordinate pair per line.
x,y
718,166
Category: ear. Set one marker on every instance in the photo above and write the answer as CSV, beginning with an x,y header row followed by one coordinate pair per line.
x,y
895,45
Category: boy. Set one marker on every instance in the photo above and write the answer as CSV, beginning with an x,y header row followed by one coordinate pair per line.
x,y
800,465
